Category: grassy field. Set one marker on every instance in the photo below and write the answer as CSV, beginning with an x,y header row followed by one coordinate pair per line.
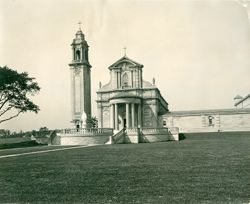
x,y
199,169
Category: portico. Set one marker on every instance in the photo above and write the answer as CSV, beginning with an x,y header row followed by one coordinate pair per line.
x,y
125,113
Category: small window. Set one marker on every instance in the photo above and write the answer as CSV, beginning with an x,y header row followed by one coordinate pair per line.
x,y
164,123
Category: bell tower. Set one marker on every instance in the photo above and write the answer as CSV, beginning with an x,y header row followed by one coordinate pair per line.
x,y
80,81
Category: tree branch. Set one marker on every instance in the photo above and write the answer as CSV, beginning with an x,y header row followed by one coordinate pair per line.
x,y
4,103
11,117
7,109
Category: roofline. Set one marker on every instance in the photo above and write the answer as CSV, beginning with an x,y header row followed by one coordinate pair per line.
x,y
125,57
210,111
129,89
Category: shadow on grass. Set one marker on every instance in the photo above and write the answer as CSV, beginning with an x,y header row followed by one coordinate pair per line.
x,y
182,136
21,144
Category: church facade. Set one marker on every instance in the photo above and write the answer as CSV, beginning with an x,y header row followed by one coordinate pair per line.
x,y
128,101
129,108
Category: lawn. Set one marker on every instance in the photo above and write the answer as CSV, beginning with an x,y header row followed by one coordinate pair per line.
x,y
208,168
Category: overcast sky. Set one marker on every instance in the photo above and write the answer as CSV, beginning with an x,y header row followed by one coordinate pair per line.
x,y
198,51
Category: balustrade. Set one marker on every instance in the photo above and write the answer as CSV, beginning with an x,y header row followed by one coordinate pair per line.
x,y
87,131
132,130
159,130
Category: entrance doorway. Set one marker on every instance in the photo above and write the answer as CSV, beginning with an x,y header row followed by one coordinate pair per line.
x,y
124,123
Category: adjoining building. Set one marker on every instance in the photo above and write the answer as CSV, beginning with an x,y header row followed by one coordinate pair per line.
x,y
216,120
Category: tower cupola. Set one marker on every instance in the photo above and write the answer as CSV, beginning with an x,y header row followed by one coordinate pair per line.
x,y
80,48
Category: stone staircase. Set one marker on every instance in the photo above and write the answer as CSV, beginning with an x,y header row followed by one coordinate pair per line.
x,y
143,135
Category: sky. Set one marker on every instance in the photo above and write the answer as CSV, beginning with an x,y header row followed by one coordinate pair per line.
x,y
198,51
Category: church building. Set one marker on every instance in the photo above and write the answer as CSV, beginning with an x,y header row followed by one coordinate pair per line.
x,y
132,110
129,109
128,101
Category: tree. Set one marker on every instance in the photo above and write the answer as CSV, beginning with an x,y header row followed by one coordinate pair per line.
x,y
43,129
15,88
4,132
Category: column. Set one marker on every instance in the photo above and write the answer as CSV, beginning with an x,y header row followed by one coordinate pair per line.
x,y
99,111
119,79
139,115
111,122
133,115
127,115
116,117
73,52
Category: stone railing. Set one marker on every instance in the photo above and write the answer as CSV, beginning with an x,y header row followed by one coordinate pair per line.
x,y
87,131
118,136
132,130
158,130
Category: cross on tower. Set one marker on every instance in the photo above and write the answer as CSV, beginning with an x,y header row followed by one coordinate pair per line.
x,y
125,51
79,23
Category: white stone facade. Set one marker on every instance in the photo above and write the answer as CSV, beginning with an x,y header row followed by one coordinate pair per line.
x,y
208,120
127,100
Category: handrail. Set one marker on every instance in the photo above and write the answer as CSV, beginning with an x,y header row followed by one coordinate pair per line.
x,y
118,135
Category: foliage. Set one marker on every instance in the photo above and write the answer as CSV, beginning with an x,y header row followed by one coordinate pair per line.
x,y
15,88
93,122
4,132
43,129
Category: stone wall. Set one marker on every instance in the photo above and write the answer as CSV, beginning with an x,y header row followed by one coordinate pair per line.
x,y
83,140
149,135
208,120
132,136
84,136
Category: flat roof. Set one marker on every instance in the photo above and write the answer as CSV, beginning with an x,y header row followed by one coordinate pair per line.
x,y
210,111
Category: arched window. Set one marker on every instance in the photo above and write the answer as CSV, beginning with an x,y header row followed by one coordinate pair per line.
x,y
125,79
78,55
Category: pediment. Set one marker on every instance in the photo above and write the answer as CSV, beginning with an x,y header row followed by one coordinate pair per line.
x,y
125,61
